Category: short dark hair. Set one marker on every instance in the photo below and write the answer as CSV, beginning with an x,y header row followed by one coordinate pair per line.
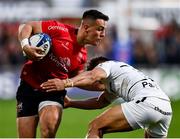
x,y
95,61
94,14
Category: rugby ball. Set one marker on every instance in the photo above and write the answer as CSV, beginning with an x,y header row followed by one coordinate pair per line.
x,y
41,40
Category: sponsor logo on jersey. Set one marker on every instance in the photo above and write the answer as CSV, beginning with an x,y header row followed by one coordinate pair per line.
x,y
57,28
162,112
65,45
63,62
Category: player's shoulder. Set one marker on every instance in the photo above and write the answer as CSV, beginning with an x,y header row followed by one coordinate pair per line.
x,y
70,27
114,62
57,25
106,64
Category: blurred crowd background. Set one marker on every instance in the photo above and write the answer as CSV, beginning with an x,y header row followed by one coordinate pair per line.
x,y
152,37
143,33
164,47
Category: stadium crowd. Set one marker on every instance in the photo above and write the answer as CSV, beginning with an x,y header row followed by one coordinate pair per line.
x,y
164,47
10,52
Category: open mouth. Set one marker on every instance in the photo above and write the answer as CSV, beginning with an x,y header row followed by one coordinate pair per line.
x,y
99,40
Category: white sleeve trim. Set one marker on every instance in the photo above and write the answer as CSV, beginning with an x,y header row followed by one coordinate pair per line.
x,y
106,66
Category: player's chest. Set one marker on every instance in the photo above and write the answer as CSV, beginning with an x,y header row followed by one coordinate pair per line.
x,y
63,53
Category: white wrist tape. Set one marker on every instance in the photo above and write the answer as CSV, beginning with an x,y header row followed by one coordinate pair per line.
x,y
24,42
71,82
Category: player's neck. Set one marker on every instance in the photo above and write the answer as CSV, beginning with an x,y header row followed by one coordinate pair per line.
x,y
80,39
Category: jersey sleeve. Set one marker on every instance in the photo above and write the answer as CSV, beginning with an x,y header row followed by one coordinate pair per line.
x,y
47,26
106,66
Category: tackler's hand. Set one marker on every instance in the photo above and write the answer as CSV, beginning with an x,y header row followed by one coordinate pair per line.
x,y
53,85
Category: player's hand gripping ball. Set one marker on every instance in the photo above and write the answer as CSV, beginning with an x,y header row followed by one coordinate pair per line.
x,y
41,40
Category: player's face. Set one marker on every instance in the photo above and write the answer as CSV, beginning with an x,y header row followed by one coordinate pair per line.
x,y
96,32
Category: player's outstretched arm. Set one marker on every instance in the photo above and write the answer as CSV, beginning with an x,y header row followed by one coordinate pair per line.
x,y
24,33
92,103
85,79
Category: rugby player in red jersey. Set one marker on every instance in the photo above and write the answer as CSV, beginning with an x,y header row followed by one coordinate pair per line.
x,y
65,59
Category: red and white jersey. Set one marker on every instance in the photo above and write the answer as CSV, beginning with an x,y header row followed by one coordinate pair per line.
x,y
66,56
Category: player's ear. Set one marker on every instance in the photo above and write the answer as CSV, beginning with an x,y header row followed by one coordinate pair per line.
x,y
85,26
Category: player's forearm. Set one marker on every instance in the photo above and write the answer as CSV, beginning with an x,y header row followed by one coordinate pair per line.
x,y
25,31
94,87
86,104
83,80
